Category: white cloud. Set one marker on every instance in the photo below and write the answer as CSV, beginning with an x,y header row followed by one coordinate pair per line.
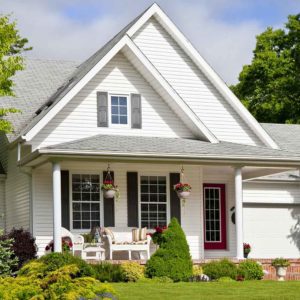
x,y
226,46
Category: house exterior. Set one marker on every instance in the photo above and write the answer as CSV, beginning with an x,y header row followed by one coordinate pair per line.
x,y
148,106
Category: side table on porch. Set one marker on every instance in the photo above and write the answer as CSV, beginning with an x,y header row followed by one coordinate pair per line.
x,y
93,252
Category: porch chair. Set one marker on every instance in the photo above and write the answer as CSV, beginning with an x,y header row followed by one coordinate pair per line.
x,y
139,246
77,240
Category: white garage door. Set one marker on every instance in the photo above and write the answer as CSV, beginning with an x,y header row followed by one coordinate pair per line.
x,y
273,230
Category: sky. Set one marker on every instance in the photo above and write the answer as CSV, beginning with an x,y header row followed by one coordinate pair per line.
x,y
223,31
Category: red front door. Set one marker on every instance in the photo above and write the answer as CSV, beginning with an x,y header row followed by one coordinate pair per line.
x,y
214,216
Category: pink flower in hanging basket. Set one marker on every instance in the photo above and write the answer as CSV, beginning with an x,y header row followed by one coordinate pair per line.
x,y
182,187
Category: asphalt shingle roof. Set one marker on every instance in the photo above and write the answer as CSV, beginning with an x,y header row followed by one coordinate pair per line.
x,y
186,147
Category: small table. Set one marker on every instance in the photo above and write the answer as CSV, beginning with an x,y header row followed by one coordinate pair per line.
x,y
98,253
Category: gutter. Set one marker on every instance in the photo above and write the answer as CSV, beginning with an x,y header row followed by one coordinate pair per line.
x,y
159,156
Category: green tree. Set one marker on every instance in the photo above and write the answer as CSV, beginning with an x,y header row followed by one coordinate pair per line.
x,y
270,86
11,47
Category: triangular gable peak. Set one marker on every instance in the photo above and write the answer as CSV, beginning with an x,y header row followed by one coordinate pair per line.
x,y
124,41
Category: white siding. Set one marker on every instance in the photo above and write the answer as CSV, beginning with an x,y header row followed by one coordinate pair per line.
x,y
2,203
79,118
191,84
225,176
17,195
191,217
272,231
277,192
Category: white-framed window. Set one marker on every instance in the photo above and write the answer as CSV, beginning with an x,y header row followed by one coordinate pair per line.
x,y
119,110
153,201
85,201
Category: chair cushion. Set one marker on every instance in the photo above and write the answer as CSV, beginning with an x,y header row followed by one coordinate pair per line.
x,y
135,235
110,233
143,233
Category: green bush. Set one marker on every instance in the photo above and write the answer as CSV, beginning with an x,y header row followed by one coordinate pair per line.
x,y
59,284
172,259
197,270
280,262
163,279
107,272
8,260
55,261
250,270
225,279
217,269
133,271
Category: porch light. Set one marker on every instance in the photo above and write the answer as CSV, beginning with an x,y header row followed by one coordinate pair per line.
x,y
182,189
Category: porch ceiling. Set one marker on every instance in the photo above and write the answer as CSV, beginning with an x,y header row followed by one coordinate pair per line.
x,y
165,150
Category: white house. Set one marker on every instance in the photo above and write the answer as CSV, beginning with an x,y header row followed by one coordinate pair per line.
x,y
147,104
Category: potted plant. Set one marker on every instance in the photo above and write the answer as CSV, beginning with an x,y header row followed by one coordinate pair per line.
x,y
109,189
66,245
280,264
247,249
183,190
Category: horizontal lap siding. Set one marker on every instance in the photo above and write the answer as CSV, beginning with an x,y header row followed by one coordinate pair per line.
x,y
191,84
264,192
78,119
223,175
190,213
17,206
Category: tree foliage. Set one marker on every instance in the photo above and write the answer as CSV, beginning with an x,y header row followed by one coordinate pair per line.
x,y
270,86
12,45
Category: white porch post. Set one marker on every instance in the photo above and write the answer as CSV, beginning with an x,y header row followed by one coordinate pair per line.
x,y
56,206
239,213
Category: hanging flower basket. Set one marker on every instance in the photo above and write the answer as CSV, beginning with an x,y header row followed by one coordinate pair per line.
x,y
183,190
109,189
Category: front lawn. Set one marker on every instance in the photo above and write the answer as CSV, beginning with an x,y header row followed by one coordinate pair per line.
x,y
209,290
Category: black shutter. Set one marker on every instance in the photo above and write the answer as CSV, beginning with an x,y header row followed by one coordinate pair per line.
x,y
102,109
65,200
136,111
109,206
132,199
174,200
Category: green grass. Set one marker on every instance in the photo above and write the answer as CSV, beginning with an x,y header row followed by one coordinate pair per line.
x,y
209,290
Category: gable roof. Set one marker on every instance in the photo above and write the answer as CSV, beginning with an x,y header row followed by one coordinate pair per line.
x,y
100,58
33,87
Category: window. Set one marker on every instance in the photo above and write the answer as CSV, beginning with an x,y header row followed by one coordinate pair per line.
x,y
85,201
214,216
119,110
153,201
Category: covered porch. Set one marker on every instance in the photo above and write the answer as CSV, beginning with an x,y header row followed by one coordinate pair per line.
x,y
63,180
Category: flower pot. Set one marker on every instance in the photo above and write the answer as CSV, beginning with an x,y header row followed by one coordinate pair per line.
x,y
108,194
246,254
183,194
281,273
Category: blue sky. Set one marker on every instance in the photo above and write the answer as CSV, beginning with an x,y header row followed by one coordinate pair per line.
x,y
222,30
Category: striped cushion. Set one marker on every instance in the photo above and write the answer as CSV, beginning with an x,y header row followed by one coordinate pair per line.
x,y
135,235
143,234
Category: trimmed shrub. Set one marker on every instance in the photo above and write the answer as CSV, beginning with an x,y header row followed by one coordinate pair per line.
x,y
197,270
225,279
217,269
172,259
250,270
24,246
8,260
59,284
55,261
133,271
163,279
107,272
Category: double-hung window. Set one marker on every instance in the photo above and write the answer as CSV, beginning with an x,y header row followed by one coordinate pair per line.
x,y
85,201
153,201
119,112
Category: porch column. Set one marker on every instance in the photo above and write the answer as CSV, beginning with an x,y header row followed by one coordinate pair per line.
x,y
239,213
56,206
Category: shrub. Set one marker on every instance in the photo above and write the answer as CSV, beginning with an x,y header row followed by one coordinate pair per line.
x,y
250,270
107,272
24,246
172,259
8,261
197,270
59,284
225,279
217,269
55,261
280,262
133,271
163,279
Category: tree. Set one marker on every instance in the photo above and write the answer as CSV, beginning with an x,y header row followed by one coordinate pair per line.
x,y
270,86
11,47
